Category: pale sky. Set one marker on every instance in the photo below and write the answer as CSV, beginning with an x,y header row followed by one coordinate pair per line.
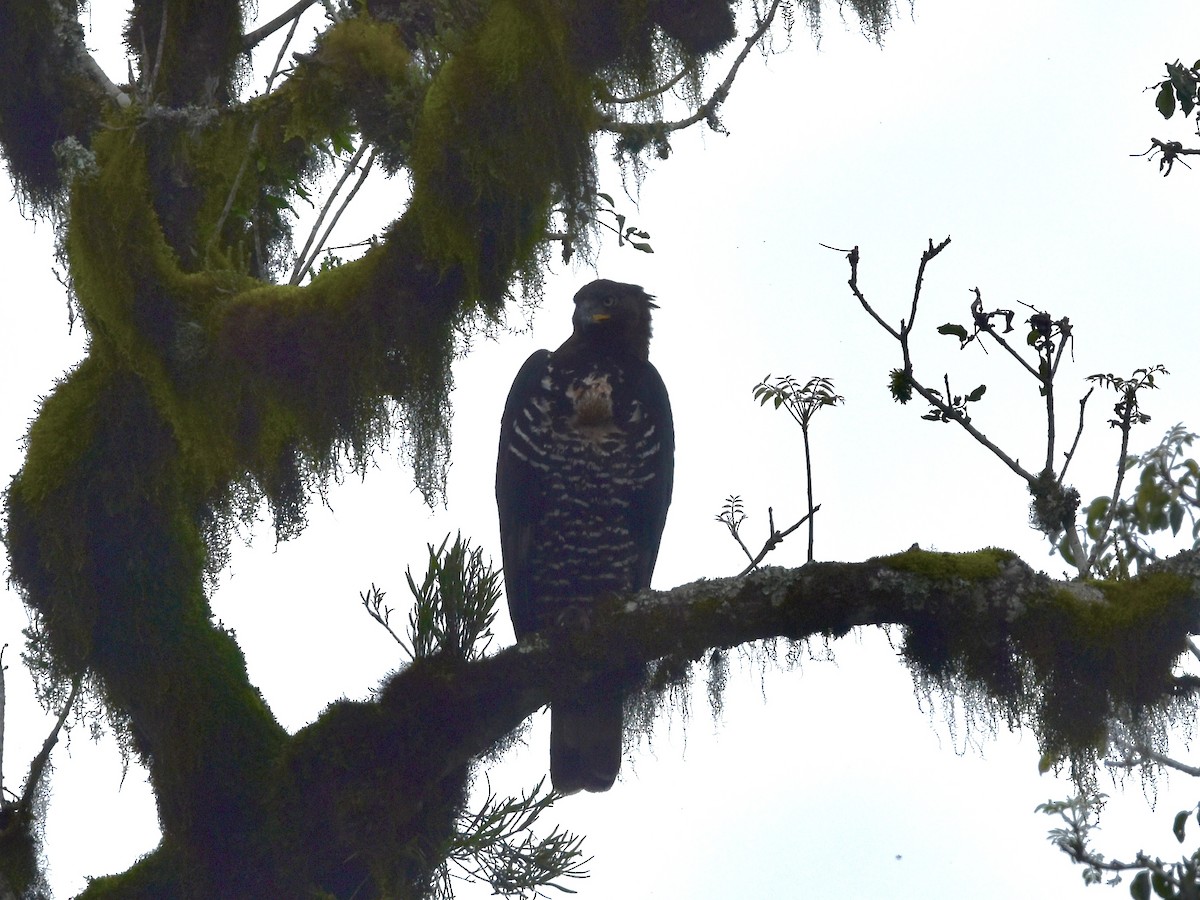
x,y
1008,128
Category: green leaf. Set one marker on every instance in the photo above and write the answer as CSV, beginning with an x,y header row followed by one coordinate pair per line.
x,y
1181,818
1176,514
1139,888
1045,764
957,330
1184,83
1166,105
342,142
1161,886
977,393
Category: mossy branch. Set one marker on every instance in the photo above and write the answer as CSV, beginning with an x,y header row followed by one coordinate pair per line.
x,y
981,624
707,110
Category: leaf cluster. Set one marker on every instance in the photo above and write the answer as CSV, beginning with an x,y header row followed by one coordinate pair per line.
x,y
1153,876
802,401
454,606
1164,496
496,845
455,603
1127,409
1179,88
952,407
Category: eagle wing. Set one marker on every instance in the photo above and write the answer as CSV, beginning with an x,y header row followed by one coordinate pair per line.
x,y
649,516
517,497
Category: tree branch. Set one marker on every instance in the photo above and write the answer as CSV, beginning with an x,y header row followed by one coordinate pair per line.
x,y
297,277
1138,753
774,539
1126,425
709,106
901,336
992,608
1078,433
1171,151
256,36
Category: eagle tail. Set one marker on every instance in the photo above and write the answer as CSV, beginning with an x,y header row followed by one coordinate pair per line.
x,y
585,742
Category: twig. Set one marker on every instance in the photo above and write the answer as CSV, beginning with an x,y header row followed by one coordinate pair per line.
x,y
1048,390
259,34
158,54
302,257
852,256
330,10
774,540
902,336
750,556
250,145
1133,749
372,602
705,110
646,95
297,278
932,399
233,189
1078,433
1171,151
38,765
1126,425
929,254
1003,342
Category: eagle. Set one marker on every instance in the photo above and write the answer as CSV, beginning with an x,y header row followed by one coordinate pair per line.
x,y
583,483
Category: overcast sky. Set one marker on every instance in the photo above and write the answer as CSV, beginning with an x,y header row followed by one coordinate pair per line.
x,y
1008,128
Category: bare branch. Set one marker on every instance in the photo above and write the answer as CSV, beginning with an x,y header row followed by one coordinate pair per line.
x,y
1171,151
1126,425
158,55
362,177
901,336
1070,454
251,143
292,14
303,258
929,254
852,256
1139,754
1003,342
98,75
610,97
372,601
709,106
38,766
775,539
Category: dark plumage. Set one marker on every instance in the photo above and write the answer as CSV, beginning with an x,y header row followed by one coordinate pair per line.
x,y
583,484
